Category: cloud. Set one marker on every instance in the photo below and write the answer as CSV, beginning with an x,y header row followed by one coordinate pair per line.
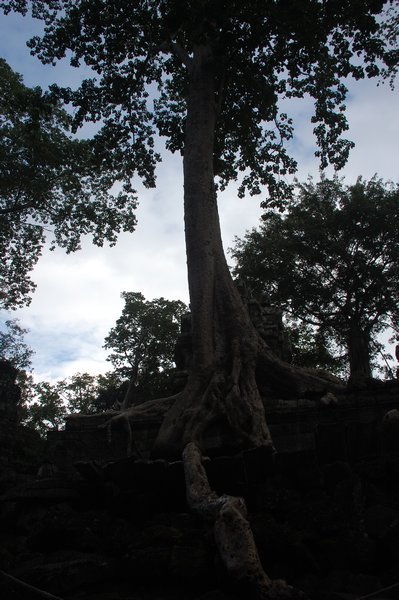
x,y
78,295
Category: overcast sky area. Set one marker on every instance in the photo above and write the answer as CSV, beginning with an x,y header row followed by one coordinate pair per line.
x,y
77,299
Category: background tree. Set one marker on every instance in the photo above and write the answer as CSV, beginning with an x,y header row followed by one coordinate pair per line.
x,y
90,394
14,349
313,348
332,261
50,184
47,404
142,344
46,409
44,405
12,345
79,393
111,391
219,70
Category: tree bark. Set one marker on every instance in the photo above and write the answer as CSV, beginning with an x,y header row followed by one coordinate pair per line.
x,y
359,354
221,406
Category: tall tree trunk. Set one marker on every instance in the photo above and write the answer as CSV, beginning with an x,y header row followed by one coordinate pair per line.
x,y
221,406
359,354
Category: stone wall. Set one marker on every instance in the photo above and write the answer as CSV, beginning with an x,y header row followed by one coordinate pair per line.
x,y
348,430
89,438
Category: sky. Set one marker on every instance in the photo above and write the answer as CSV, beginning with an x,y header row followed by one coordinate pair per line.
x,y
77,299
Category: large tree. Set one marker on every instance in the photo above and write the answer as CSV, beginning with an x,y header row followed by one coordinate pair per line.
x,y
142,343
51,186
331,260
208,75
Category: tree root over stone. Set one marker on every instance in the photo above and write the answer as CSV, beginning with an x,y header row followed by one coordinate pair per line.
x,y
152,409
232,531
220,407
15,588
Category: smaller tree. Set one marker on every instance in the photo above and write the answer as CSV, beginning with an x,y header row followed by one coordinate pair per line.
x,y
89,394
12,345
111,391
142,343
47,404
331,259
46,409
79,392
15,350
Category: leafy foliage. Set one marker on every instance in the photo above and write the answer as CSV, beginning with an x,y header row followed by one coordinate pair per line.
x,y
47,404
49,183
143,340
260,52
332,259
111,390
13,347
45,409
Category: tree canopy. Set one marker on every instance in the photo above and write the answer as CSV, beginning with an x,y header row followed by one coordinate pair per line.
x,y
331,260
46,404
51,186
45,408
284,48
142,342
13,347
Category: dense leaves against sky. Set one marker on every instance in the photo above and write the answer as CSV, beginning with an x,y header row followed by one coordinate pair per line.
x,y
142,342
140,54
51,186
284,48
46,404
13,347
331,259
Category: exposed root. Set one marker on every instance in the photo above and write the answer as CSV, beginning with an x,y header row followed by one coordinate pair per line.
x,y
127,425
286,380
220,410
16,588
151,410
232,531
